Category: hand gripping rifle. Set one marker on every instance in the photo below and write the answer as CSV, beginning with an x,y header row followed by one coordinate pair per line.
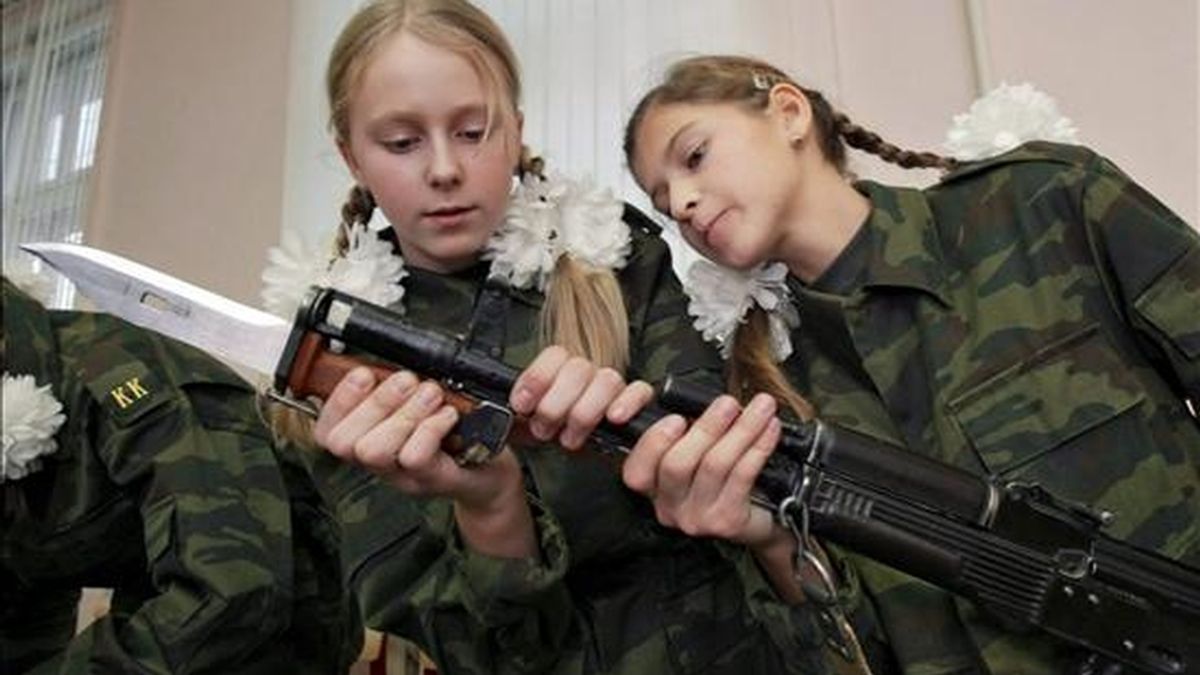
x,y
1009,547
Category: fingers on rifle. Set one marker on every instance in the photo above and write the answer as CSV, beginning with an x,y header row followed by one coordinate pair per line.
x,y
717,460
745,472
536,379
422,453
358,412
678,467
571,380
377,448
737,442
630,401
732,516
587,412
640,469
349,392
420,467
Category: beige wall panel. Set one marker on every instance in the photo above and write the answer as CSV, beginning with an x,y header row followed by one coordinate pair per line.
x,y
1125,72
189,167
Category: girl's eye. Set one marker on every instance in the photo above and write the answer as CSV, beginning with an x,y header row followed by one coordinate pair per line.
x,y
696,156
473,134
401,145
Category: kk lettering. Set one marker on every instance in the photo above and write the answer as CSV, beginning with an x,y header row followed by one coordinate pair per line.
x,y
128,392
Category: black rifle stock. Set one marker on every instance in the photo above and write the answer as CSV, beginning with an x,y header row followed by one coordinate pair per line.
x,y
1011,548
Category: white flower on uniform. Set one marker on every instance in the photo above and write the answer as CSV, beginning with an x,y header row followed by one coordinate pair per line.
x,y
1004,118
31,418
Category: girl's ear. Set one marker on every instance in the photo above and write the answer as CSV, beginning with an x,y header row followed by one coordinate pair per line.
x,y
348,157
793,110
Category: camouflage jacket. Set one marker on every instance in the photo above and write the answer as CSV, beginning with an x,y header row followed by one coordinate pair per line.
x,y
1034,317
165,486
614,592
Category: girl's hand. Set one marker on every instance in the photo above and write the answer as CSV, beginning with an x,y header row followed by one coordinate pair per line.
x,y
566,397
395,430
700,478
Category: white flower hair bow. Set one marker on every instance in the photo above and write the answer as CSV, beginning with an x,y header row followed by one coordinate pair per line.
x,y
1004,118
720,298
549,217
369,269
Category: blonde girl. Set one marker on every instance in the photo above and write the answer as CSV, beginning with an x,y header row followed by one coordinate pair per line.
x,y
540,560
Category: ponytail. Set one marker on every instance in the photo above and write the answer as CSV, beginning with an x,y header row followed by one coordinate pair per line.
x,y
585,313
752,367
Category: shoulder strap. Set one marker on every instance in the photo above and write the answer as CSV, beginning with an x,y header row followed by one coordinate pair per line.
x,y
487,332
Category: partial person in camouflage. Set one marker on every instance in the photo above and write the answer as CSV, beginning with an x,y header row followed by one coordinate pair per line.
x,y
539,561
165,486
1034,317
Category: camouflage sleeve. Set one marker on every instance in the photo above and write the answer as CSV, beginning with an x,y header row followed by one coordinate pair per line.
x,y
326,630
1153,260
413,577
181,438
662,339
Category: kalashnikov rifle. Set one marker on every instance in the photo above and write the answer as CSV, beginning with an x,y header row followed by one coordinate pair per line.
x,y
1012,548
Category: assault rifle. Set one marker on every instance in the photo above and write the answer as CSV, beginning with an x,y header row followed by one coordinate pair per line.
x,y
1012,548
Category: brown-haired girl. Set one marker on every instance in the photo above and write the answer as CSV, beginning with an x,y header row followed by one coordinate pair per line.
x,y
539,560
1033,317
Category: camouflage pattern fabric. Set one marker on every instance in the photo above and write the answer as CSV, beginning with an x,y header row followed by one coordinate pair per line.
x,y
614,592
1034,317
165,486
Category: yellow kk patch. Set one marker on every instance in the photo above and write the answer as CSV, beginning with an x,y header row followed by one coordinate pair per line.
x,y
125,387
128,392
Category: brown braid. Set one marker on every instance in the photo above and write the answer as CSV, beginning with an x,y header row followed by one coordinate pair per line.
x,y
751,367
358,209
869,141
530,164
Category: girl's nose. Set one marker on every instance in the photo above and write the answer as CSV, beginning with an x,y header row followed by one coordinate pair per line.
x,y
684,207
445,169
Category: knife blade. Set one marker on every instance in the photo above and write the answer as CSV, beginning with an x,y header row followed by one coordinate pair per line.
x,y
296,354
164,304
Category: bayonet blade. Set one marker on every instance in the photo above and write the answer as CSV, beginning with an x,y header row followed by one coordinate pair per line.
x,y
152,299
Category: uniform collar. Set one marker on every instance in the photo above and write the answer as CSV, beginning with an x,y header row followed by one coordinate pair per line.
x,y
435,287
905,249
